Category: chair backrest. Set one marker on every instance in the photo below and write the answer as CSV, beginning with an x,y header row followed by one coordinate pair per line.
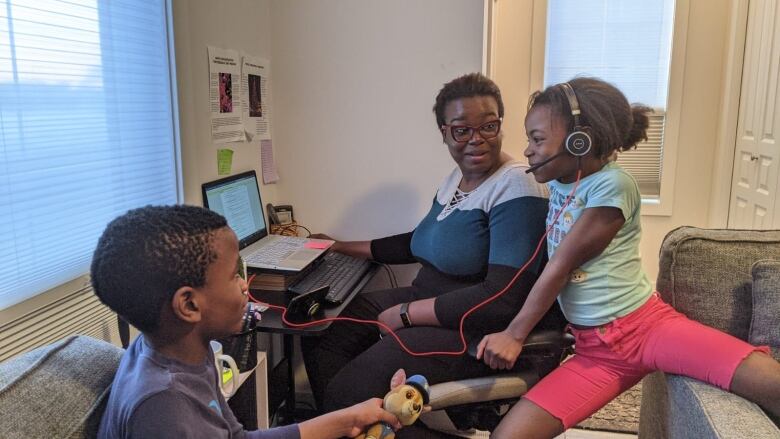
x,y
705,274
59,390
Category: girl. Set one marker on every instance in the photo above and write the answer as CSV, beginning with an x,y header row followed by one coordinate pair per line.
x,y
623,330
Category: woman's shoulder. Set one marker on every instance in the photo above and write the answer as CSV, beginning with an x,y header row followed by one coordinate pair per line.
x,y
512,179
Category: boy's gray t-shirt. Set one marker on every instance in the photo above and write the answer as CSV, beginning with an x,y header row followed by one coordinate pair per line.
x,y
155,396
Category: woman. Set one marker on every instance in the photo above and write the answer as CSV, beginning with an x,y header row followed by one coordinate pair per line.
x,y
485,221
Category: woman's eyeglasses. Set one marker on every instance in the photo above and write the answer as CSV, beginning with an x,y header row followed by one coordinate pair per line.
x,y
464,133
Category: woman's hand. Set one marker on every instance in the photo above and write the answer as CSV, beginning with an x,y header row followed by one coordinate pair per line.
x,y
321,236
368,413
392,318
499,350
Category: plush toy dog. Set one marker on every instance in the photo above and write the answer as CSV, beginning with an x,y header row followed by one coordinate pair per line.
x,y
406,400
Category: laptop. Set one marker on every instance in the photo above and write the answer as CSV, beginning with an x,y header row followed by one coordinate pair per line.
x,y
237,198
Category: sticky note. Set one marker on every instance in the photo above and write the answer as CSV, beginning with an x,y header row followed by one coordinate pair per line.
x,y
224,161
267,161
319,245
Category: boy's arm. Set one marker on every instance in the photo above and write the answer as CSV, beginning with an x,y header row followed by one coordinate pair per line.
x,y
348,422
589,236
157,417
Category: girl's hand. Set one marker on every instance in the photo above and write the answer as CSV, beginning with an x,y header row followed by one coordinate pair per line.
x,y
368,413
499,350
392,318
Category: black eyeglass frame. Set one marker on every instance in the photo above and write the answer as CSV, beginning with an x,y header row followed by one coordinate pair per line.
x,y
473,130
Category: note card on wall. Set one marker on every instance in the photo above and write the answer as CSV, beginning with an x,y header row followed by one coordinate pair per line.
x,y
267,160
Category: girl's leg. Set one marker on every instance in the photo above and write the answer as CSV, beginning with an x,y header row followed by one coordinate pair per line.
x,y
679,345
757,378
528,420
575,390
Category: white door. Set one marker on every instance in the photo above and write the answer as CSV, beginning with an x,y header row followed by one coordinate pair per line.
x,y
754,193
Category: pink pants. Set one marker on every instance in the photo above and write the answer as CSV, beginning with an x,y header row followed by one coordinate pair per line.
x,y
610,359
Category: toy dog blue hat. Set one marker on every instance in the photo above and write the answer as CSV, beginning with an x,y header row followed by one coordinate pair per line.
x,y
421,384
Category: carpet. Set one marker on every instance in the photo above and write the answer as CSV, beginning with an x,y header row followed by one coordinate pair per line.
x,y
620,415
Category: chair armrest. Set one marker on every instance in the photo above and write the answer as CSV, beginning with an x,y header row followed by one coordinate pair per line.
x,y
489,388
679,407
548,340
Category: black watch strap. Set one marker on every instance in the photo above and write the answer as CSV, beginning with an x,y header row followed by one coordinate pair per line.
x,y
405,315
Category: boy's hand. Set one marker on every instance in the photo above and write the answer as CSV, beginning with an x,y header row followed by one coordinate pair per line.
x,y
368,413
499,350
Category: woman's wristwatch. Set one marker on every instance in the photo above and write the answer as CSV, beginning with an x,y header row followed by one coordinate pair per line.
x,y
405,315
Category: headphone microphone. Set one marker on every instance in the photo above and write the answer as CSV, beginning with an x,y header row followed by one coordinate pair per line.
x,y
544,162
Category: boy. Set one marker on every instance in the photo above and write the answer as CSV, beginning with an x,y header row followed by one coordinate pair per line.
x,y
172,272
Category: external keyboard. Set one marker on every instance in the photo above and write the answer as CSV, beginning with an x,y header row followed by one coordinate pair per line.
x,y
338,271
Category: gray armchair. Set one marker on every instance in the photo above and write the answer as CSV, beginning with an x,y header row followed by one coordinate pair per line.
x,y
57,391
730,280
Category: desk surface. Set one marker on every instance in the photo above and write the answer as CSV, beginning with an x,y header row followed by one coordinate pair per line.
x,y
272,319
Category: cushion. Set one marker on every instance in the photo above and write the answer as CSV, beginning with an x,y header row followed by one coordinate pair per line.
x,y
765,325
57,390
706,274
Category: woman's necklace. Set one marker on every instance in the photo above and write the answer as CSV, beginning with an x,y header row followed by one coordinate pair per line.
x,y
458,197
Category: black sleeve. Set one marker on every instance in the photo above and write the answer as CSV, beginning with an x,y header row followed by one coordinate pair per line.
x,y
496,315
396,249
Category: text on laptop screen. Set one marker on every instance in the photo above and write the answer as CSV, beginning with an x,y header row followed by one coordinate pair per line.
x,y
239,202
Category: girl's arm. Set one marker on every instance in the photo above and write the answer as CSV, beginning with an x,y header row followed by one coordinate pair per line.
x,y
588,237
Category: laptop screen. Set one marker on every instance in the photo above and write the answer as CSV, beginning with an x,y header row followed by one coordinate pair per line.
x,y
237,198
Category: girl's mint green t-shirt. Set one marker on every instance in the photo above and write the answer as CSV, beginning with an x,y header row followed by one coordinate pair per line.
x,y
612,284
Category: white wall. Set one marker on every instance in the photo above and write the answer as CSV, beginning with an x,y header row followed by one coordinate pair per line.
x,y
358,149
517,45
242,25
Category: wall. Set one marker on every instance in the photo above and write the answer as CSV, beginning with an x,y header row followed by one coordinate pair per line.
x,y
516,46
242,25
358,149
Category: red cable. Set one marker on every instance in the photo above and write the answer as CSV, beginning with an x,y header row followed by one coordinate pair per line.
x,y
462,319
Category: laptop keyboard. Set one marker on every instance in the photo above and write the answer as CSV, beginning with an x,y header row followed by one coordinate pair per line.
x,y
338,271
275,252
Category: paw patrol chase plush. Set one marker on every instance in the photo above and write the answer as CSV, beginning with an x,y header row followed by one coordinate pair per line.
x,y
406,400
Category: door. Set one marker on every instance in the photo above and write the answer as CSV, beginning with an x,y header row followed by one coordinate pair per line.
x,y
754,194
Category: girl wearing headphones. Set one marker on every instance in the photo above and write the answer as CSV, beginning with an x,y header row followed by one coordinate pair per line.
x,y
623,330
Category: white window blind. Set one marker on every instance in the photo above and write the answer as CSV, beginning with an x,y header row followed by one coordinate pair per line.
x,y
86,131
627,43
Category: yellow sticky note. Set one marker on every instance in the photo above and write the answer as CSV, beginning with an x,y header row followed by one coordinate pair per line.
x,y
227,375
224,161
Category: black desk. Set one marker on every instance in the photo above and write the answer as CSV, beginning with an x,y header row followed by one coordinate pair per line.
x,y
272,322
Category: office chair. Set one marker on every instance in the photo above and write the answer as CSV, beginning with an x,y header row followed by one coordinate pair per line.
x,y
463,407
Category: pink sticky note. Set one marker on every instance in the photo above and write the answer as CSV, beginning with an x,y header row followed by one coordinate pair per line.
x,y
319,245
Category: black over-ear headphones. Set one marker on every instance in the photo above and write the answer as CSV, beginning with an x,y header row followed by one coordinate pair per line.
x,y
578,142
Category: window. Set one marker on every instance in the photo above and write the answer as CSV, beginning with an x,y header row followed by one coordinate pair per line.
x,y
86,131
629,44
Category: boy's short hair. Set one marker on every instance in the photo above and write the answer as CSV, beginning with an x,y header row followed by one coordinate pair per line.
x,y
147,254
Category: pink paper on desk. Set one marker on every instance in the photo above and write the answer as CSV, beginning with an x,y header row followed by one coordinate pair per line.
x,y
319,245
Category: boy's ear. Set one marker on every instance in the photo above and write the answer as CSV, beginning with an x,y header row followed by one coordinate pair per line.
x,y
399,377
184,305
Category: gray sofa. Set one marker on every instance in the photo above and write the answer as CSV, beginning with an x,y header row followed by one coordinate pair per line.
x,y
57,391
730,280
